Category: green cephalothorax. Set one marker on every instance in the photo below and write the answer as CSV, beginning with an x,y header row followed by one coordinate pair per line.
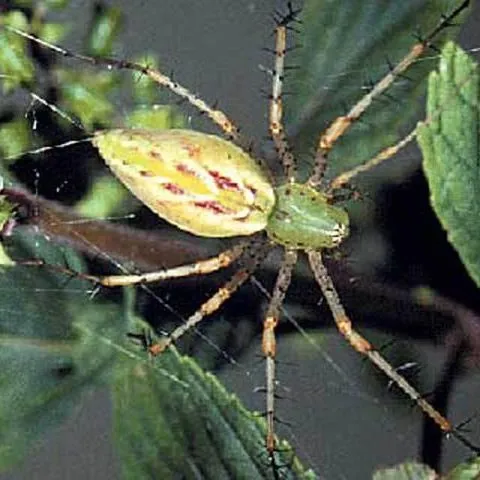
x,y
302,218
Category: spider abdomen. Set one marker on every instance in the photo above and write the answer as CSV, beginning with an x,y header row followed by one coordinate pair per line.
x,y
201,183
302,218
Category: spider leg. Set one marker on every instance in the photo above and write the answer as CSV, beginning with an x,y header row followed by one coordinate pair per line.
x,y
277,130
202,267
363,346
214,302
340,125
383,155
217,116
269,341
386,152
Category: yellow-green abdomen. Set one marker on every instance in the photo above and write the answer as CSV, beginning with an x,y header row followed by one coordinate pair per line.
x,y
201,183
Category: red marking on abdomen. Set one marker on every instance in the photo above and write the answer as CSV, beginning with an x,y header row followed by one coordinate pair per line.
x,y
185,169
224,182
193,150
172,188
213,206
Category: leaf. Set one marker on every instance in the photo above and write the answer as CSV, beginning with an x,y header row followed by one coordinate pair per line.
x,y
105,27
346,46
16,66
53,347
157,117
87,95
450,143
406,471
15,138
188,426
105,197
466,471
416,471
57,345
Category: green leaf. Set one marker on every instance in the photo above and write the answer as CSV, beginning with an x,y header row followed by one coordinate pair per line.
x,y
53,346
16,67
450,143
52,32
188,426
144,89
406,471
466,471
105,28
346,46
171,418
158,117
416,471
87,95
104,198
58,4
15,137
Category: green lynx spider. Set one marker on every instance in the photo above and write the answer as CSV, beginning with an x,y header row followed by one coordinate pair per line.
x,y
280,211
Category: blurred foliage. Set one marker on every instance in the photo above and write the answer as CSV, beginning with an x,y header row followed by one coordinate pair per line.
x,y
104,29
465,471
416,471
17,66
52,350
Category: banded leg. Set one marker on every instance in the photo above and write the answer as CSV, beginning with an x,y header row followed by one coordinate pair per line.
x,y
277,130
388,152
339,126
269,342
363,346
213,303
202,267
385,154
217,116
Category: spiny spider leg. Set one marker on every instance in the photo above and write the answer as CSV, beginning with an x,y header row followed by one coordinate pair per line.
x,y
276,128
277,132
388,152
340,125
364,347
385,154
269,341
201,267
217,116
215,301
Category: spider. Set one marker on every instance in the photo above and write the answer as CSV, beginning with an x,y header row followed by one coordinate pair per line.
x,y
172,173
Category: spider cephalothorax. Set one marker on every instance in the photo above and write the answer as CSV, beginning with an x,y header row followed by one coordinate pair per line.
x,y
303,218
